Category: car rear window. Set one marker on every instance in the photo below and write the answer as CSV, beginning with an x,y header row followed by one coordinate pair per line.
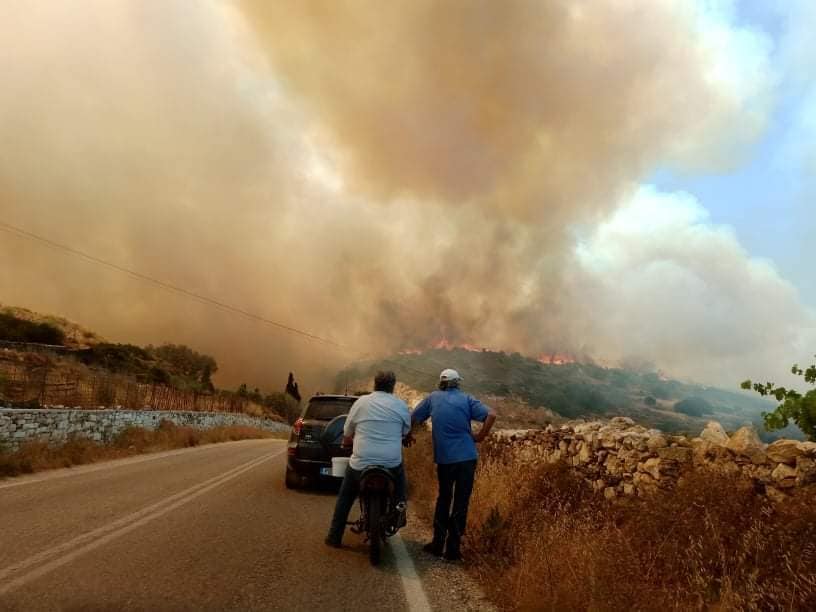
x,y
326,410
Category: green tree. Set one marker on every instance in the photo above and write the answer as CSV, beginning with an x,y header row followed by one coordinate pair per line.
x,y
694,406
184,362
797,407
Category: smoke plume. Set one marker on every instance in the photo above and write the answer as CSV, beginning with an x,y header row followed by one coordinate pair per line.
x,y
386,175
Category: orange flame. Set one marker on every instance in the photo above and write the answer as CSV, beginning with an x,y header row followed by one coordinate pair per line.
x,y
444,344
555,359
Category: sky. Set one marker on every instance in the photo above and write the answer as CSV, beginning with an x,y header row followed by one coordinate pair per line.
x,y
768,198
623,182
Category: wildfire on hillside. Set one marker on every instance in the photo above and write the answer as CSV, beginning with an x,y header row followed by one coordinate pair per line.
x,y
445,344
555,359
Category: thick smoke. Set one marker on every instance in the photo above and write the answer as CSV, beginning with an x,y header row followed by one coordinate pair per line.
x,y
384,175
537,110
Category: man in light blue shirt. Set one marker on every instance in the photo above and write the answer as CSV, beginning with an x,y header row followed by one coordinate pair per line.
x,y
375,428
454,444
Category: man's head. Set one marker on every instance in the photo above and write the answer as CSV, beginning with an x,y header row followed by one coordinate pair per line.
x,y
385,381
449,379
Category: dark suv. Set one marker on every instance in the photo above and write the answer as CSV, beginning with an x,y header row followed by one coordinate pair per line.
x,y
316,437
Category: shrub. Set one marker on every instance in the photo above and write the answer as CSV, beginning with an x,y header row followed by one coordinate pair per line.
x,y
14,329
694,406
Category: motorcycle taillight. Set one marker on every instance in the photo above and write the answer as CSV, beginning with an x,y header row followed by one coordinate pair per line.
x,y
375,482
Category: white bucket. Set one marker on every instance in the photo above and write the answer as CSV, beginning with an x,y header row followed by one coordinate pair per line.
x,y
339,465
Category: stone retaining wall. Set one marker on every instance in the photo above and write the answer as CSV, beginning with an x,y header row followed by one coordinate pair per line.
x,y
621,458
54,426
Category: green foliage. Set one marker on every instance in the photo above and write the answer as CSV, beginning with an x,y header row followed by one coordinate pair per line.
x,y
572,390
694,406
275,400
119,358
794,406
14,329
174,365
191,368
272,403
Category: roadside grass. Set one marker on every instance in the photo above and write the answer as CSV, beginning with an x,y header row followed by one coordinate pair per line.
x,y
35,456
539,539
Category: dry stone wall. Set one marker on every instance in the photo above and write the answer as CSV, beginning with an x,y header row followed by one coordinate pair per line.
x,y
620,458
54,426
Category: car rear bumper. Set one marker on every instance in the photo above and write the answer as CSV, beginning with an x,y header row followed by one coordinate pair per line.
x,y
308,467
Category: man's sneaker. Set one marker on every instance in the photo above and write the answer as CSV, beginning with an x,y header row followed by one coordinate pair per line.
x,y
332,543
433,549
453,556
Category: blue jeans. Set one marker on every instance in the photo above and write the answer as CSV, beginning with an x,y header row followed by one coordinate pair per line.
x,y
455,485
349,490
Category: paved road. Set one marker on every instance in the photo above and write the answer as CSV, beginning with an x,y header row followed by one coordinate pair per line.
x,y
210,528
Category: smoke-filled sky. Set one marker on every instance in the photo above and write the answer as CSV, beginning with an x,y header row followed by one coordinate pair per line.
x,y
630,182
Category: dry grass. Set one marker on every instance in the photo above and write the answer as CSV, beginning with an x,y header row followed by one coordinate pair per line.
x,y
37,456
515,413
539,539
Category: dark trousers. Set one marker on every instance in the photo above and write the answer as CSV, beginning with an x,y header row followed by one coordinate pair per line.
x,y
455,485
349,490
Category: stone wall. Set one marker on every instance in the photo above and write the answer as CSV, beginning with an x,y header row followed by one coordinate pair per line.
x,y
54,426
621,458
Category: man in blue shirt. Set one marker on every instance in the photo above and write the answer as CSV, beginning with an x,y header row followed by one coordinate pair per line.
x,y
454,443
375,428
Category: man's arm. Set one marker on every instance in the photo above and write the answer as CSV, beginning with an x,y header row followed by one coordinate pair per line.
x,y
419,415
351,425
484,430
407,426
422,412
485,414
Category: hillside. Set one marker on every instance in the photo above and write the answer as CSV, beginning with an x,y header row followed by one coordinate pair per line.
x,y
72,335
49,360
579,390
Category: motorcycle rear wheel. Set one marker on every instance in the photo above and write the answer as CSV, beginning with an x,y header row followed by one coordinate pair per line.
x,y
374,529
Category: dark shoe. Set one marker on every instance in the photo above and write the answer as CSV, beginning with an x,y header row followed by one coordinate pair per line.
x,y
448,556
333,543
433,549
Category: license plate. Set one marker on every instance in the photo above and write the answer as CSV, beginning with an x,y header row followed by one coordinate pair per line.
x,y
325,471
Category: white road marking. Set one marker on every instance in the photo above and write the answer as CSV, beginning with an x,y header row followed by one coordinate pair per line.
x,y
411,584
68,551
109,465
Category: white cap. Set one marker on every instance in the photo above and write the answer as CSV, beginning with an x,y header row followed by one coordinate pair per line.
x,y
449,374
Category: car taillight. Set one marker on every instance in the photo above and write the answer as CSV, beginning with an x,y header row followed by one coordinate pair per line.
x,y
297,427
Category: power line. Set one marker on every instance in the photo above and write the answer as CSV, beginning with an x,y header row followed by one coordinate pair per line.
x,y
167,286
12,229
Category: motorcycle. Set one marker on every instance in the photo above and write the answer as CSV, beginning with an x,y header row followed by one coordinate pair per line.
x,y
381,516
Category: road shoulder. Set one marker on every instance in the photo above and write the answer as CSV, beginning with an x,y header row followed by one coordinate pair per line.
x,y
447,585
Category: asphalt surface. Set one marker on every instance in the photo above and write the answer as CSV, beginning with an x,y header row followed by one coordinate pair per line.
x,y
210,528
